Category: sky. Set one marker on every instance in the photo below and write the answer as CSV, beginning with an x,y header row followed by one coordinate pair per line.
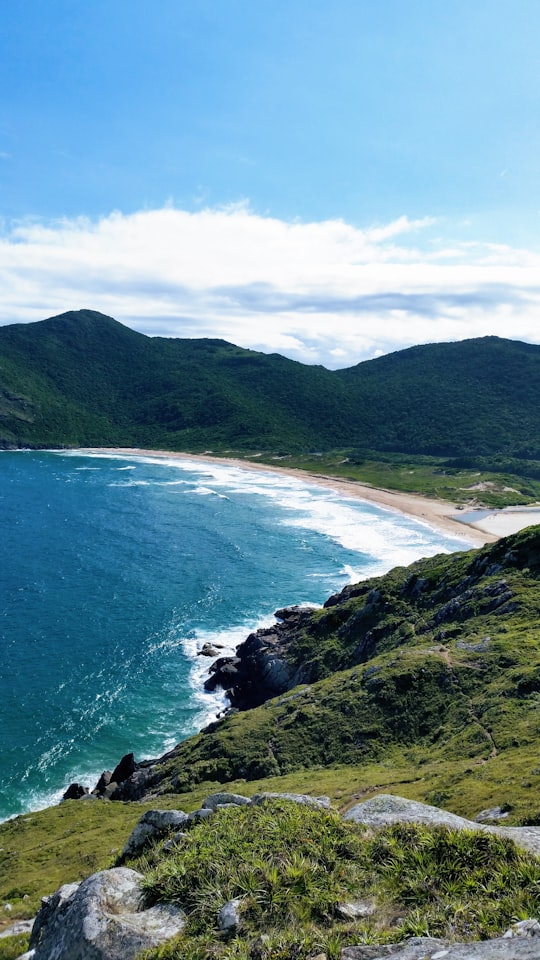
x,y
327,180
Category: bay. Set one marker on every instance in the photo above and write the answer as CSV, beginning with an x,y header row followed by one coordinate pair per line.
x,y
115,569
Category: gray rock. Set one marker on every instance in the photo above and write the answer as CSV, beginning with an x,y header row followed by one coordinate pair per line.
x,y
424,948
493,813
324,802
479,647
523,928
216,800
209,650
386,808
228,918
153,825
196,815
419,949
355,909
101,919
20,926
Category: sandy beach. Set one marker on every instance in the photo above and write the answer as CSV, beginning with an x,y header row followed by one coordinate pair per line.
x,y
477,527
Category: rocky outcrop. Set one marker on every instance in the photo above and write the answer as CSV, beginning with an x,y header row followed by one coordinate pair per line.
x,y
75,791
426,948
153,825
260,670
386,808
103,918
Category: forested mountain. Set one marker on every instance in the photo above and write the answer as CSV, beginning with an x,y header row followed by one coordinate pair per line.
x,y
84,379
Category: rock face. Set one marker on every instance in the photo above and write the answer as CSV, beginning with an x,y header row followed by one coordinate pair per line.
x,y
260,670
101,919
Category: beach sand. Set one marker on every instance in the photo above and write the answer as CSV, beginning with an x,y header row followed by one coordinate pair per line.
x,y
441,514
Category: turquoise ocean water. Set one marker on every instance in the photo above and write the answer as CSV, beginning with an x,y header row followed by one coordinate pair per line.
x,y
114,570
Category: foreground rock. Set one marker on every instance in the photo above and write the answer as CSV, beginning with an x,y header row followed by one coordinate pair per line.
x,y
153,825
101,919
424,948
386,808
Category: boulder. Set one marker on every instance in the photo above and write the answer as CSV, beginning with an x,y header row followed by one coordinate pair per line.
x,y
153,825
425,948
324,802
355,909
386,808
228,918
209,650
216,800
20,926
493,813
101,919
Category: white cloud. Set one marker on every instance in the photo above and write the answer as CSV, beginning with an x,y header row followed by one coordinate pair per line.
x,y
324,292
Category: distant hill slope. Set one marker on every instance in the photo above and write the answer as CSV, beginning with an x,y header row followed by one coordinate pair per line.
x,y
82,379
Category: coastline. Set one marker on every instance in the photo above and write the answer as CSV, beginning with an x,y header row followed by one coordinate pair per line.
x,y
440,514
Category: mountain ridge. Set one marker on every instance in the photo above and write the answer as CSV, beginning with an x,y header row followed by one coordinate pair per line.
x,y
84,379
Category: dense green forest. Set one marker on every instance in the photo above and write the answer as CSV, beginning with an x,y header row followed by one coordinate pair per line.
x,y
84,379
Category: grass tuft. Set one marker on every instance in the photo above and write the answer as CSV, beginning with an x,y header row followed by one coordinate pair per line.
x,y
291,866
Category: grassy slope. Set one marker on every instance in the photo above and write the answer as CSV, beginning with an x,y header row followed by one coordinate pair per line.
x,y
428,674
424,682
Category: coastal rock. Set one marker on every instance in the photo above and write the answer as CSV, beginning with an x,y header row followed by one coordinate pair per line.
x,y
125,768
133,788
103,782
208,650
101,919
260,670
386,808
75,791
153,825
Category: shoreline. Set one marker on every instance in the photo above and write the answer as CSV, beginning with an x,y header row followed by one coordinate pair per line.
x,y
441,514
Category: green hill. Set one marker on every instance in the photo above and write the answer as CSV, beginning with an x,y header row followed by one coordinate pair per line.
x,y
84,379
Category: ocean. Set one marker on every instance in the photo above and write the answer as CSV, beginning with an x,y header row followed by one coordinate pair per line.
x,y
116,569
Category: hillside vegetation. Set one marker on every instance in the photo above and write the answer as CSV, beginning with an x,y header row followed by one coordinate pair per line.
x,y
84,379
428,675
425,683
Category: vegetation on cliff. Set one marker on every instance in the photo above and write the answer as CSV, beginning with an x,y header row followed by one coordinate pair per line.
x,y
431,670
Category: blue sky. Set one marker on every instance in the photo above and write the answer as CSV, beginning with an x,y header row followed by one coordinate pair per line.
x,y
329,180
